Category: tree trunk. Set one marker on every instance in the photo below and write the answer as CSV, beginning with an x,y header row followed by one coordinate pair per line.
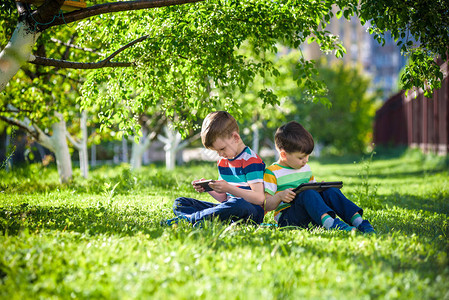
x,y
61,150
170,158
81,146
116,158
16,52
173,145
93,155
273,147
171,141
139,149
57,143
136,154
84,157
124,150
8,156
256,138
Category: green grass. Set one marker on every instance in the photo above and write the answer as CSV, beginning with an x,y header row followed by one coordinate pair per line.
x,y
101,239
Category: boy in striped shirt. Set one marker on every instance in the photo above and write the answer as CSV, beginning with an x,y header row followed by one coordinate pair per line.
x,y
239,187
294,144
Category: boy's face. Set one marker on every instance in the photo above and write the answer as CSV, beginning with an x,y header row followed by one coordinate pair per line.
x,y
295,160
227,147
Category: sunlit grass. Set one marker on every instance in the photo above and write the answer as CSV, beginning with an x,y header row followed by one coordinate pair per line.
x,y
101,238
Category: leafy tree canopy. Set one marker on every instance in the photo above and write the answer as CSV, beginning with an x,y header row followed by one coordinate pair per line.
x,y
177,55
191,50
420,28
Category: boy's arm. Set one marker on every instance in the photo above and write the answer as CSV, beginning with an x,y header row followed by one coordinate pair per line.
x,y
273,201
255,195
220,197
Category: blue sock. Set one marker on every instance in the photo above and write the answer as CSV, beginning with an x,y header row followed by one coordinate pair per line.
x,y
327,221
356,220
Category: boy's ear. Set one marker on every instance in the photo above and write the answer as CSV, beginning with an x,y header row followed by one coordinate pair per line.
x,y
282,153
235,135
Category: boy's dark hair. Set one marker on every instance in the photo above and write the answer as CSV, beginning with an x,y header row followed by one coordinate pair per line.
x,y
292,137
219,124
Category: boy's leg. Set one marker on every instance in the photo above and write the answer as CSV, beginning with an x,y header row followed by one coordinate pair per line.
x,y
342,206
310,204
234,209
184,208
307,207
187,206
346,209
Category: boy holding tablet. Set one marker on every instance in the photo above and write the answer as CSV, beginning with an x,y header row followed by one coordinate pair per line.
x,y
294,144
239,188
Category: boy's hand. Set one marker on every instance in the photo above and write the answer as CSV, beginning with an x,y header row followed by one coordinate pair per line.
x,y
220,186
286,196
198,188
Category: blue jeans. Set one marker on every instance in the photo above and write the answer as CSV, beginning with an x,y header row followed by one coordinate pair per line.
x,y
234,209
309,206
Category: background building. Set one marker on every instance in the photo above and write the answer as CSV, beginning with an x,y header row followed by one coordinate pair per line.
x,y
383,63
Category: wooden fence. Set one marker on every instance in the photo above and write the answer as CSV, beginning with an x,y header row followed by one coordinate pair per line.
x,y
416,121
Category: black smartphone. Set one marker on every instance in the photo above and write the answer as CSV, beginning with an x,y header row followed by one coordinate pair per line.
x,y
205,184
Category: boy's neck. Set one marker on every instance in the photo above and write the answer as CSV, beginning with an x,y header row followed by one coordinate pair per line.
x,y
282,163
240,147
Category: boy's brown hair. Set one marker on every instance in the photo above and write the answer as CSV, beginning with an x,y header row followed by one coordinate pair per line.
x,y
219,124
293,137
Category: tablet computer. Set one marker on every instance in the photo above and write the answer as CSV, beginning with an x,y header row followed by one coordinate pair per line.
x,y
205,184
317,186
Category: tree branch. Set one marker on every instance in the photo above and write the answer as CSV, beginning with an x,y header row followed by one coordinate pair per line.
x,y
74,142
15,110
132,43
43,139
113,7
186,142
30,129
43,61
157,130
100,64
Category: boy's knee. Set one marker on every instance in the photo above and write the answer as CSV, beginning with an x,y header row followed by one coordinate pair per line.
x,y
233,204
332,191
178,202
308,193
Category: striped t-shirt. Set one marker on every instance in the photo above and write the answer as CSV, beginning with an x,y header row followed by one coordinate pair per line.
x,y
243,170
278,178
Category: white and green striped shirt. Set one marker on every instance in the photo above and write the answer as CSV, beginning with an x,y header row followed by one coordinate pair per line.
x,y
278,178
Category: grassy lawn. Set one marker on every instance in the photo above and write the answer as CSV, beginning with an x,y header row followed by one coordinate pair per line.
x,y
101,238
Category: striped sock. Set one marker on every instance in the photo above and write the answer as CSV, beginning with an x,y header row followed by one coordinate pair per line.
x,y
356,220
327,221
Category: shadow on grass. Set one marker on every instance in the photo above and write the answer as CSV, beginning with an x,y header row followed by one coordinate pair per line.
x,y
92,220
380,154
437,202
319,242
123,181
398,175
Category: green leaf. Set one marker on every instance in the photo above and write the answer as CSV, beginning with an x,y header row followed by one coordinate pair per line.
x,y
339,14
